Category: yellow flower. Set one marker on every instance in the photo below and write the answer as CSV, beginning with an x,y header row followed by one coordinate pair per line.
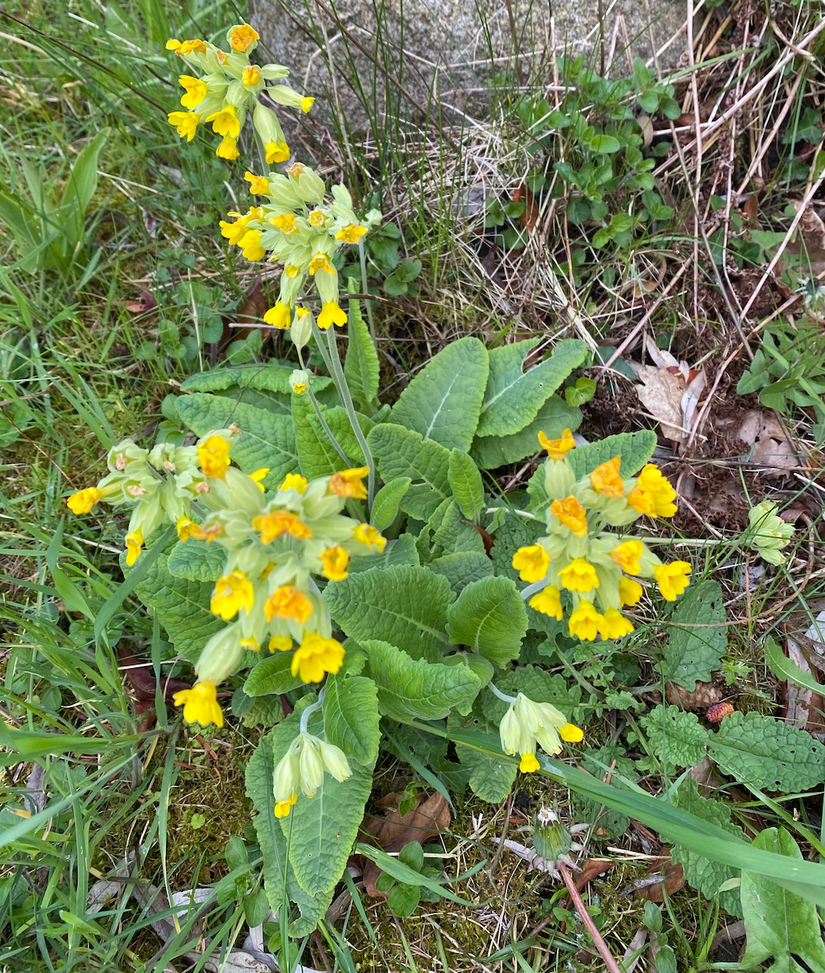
x,y
292,271
335,561
605,479
279,522
316,218
227,149
232,592
276,152
528,764
556,448
629,591
233,232
207,534
181,49
241,38
173,44
250,244
306,104
259,476
585,622
83,501
288,602
627,556
351,233
278,316
251,76
368,535
531,562
200,704
615,625
282,808
186,528
572,514
195,91
578,575
225,122
280,643
653,495
331,313
571,733
316,657
284,222
672,579
294,481
250,643
186,122
213,455
320,262
134,543
347,483
294,170
548,602
258,185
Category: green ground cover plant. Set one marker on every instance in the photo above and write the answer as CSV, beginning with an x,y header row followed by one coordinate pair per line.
x,y
339,585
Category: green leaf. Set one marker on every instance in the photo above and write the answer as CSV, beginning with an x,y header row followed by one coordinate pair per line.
x,y
780,926
513,397
675,737
541,686
351,716
635,449
411,689
279,878
266,439
453,533
465,482
489,616
605,144
443,401
387,501
78,192
401,452
272,377
693,654
182,607
321,830
403,900
272,676
762,752
406,606
196,560
554,416
462,568
785,668
409,876
339,423
702,873
361,367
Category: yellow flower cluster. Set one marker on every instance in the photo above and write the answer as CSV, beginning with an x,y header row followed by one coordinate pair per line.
x,y
228,88
276,544
160,485
303,766
580,561
299,228
527,723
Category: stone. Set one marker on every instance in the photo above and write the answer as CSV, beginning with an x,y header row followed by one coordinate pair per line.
x,y
446,53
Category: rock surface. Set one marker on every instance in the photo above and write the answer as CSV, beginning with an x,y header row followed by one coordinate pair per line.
x,y
445,53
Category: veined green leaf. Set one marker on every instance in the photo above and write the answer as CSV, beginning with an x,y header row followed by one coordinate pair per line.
x,y
489,616
442,402
351,716
634,448
513,397
401,452
554,416
387,501
361,367
692,654
465,482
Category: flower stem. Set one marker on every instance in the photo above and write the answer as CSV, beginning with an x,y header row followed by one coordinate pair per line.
x,y
502,696
324,425
340,380
312,708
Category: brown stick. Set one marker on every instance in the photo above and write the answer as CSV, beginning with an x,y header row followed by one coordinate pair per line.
x,y
609,961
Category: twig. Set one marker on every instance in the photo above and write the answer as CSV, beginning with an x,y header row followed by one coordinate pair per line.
x,y
609,961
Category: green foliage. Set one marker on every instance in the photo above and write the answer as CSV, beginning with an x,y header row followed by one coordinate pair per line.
x,y
552,419
405,606
404,896
415,689
401,452
50,233
465,482
692,654
780,925
489,617
272,676
387,502
443,401
351,716
634,448
361,367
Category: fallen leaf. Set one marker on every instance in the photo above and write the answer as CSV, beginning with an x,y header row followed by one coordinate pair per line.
x,y
428,818
654,887
705,694
670,391
803,707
